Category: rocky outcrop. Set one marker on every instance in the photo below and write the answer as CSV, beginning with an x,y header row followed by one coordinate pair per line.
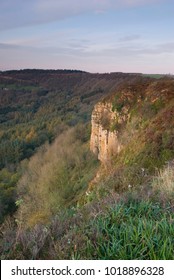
x,y
104,139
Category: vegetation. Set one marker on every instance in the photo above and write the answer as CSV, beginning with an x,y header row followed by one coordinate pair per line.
x,y
145,129
35,107
56,200
56,177
132,226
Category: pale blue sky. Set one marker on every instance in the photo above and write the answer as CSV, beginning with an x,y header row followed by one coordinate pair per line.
x,y
91,35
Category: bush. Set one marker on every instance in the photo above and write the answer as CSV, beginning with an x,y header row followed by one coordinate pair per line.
x,y
56,177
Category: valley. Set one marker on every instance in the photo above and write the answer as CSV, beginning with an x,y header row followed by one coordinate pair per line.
x,y
86,165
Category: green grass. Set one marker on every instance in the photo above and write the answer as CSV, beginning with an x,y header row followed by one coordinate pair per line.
x,y
154,76
134,231
130,229
16,86
127,213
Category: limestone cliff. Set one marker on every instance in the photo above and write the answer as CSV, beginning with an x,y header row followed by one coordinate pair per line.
x,y
104,140
141,113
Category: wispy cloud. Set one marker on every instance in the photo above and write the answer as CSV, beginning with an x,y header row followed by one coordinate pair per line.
x,y
166,47
5,46
129,38
18,13
123,49
101,40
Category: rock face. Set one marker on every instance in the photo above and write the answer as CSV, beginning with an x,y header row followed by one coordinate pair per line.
x,y
104,140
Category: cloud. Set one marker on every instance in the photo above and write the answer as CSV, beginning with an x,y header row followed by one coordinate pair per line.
x,y
124,49
64,7
90,55
8,46
130,38
166,47
19,13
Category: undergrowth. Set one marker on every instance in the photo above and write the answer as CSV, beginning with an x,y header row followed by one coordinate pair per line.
x,y
125,213
134,225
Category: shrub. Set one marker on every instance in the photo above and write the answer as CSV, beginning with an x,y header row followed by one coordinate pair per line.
x,y
164,182
56,177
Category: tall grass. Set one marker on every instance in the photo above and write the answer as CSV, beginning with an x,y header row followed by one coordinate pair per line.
x,y
164,181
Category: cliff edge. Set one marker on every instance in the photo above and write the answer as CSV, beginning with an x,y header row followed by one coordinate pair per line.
x,y
104,141
136,122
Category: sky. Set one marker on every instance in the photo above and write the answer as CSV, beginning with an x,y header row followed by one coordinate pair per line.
x,y
97,36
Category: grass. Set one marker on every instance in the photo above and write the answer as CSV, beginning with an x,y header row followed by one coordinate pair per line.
x,y
135,225
133,231
126,213
164,181
154,76
19,87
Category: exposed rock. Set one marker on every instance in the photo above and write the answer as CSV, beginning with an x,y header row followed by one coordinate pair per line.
x,y
104,142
